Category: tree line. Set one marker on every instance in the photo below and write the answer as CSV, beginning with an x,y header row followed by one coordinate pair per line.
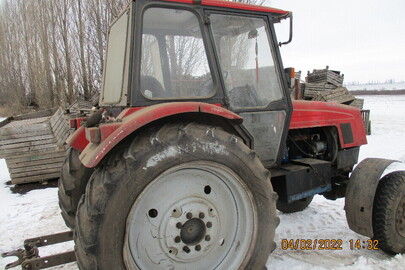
x,y
52,52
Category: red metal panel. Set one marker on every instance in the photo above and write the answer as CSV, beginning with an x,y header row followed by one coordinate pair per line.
x,y
78,140
309,114
93,153
230,4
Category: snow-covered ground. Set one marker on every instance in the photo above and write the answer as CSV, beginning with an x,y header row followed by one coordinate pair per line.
x,y
377,86
37,213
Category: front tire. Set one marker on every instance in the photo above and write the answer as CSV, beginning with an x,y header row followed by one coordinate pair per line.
x,y
71,185
181,197
389,213
295,206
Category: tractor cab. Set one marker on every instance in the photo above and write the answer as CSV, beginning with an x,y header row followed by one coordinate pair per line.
x,y
167,51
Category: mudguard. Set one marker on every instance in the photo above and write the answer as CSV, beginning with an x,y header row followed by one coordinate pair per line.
x,y
360,194
109,135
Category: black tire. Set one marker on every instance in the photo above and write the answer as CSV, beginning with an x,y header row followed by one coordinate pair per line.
x,y
72,185
103,213
389,213
295,206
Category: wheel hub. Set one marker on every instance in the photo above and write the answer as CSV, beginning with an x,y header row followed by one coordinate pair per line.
x,y
193,231
400,217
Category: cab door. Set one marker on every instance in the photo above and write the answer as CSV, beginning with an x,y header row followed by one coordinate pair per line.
x,y
255,88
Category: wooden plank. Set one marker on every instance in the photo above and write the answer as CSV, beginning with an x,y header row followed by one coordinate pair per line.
x,y
341,99
12,152
35,162
61,125
58,125
325,75
56,118
31,170
29,121
37,155
26,144
31,138
62,135
25,135
37,114
58,130
358,103
35,173
23,128
38,178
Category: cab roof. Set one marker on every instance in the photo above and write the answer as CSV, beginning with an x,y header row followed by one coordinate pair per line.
x,y
230,4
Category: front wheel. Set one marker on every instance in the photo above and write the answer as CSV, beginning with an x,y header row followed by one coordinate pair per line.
x,y
180,197
389,213
295,206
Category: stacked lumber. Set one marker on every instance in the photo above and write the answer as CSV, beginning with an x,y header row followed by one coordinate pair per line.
x,y
327,85
326,76
34,147
339,95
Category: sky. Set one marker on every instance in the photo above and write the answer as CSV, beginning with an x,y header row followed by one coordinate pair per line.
x,y
365,40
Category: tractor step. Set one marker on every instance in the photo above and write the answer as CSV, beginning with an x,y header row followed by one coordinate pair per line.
x,y
29,257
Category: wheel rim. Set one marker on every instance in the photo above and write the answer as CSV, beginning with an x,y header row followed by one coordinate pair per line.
x,y
400,217
197,215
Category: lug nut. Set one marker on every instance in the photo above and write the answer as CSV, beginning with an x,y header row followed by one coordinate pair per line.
x,y
209,224
201,215
179,225
186,249
197,247
177,239
189,215
207,238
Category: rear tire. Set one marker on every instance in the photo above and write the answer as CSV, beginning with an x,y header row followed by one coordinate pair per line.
x,y
295,206
389,213
181,197
72,185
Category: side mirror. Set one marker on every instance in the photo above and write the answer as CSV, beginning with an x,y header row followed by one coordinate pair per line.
x,y
290,16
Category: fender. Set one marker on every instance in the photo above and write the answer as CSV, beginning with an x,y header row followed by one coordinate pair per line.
x,y
106,136
360,194
347,120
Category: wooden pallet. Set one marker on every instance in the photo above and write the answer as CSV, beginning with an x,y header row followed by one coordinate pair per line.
x,y
339,95
312,89
358,103
34,147
325,76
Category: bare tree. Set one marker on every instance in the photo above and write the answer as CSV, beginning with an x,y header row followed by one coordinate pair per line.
x,y
52,52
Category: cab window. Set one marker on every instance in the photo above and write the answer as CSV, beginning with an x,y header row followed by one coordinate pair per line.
x,y
246,60
174,63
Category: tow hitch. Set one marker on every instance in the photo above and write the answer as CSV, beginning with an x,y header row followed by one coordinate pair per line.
x,y
29,257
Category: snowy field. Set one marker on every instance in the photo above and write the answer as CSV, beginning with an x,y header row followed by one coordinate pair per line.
x,y
377,86
37,213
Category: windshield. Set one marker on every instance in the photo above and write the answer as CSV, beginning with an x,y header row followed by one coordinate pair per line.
x,y
246,60
174,62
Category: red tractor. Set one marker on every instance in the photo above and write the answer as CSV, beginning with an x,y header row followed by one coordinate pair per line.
x,y
196,142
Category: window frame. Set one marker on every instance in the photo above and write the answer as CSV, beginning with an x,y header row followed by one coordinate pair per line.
x,y
122,99
272,105
137,98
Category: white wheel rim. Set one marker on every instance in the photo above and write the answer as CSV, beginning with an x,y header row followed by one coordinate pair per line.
x,y
198,215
